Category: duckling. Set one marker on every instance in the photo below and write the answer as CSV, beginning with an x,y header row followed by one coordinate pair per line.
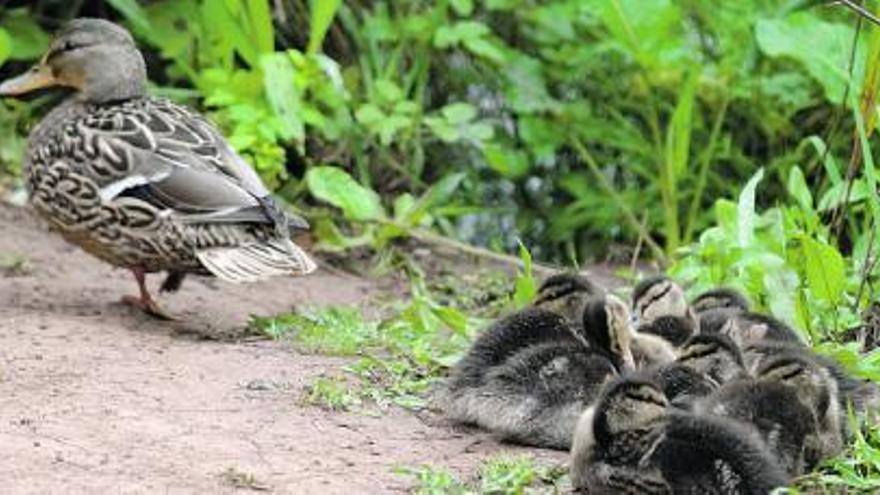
x,y
721,298
660,308
746,327
646,349
566,294
792,403
704,363
861,395
631,442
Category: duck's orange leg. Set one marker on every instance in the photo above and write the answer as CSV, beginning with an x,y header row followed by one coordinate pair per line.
x,y
145,302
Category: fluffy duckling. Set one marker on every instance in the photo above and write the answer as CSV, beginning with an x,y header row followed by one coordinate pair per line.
x,y
792,403
721,298
705,362
647,349
660,308
632,443
747,327
862,395
566,294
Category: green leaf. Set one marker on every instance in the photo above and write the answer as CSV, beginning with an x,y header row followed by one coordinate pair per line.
x,y
484,48
369,114
283,95
825,270
827,62
797,187
463,8
133,12
29,41
322,13
510,163
335,186
5,45
745,210
459,113
525,286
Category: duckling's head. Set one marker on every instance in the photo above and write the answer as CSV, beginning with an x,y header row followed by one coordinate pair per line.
x,y
95,57
656,297
721,298
565,294
628,404
716,357
607,328
812,382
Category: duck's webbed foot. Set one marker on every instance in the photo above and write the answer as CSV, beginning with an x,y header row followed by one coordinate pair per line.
x,y
145,302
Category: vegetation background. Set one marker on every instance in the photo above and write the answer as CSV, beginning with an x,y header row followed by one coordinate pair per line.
x,y
730,142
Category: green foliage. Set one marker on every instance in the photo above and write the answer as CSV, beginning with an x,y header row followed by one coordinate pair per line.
x,y
497,474
525,287
331,393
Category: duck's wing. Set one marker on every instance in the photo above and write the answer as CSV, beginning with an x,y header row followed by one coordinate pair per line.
x,y
174,159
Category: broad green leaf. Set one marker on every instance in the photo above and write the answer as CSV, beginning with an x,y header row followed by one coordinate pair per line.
x,y
678,135
459,113
648,30
29,41
484,48
525,287
438,194
5,45
283,95
335,186
260,28
797,187
745,210
369,114
463,8
825,270
796,36
322,13
133,12
509,162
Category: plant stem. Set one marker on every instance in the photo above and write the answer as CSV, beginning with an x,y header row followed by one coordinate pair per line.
x,y
628,214
704,171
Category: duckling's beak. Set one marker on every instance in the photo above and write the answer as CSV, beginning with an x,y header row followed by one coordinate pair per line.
x,y
37,77
627,360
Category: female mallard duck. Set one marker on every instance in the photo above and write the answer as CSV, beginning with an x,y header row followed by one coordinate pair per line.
x,y
141,182
631,442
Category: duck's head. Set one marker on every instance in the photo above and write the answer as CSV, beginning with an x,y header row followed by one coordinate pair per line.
x,y
607,328
95,57
656,297
716,357
627,404
721,298
814,386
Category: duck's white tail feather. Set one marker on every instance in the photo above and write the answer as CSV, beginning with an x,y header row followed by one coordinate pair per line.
x,y
256,261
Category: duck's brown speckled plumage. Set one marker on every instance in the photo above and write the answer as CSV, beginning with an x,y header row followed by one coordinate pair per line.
x,y
142,182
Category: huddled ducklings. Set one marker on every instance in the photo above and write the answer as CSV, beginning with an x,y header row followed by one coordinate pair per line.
x,y
792,402
705,362
528,377
632,442
660,308
725,298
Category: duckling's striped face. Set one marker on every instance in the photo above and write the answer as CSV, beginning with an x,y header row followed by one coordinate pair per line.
x,y
633,405
714,357
721,298
661,298
813,383
619,326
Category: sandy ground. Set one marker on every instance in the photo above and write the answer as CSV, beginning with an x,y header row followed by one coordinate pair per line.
x,y
97,398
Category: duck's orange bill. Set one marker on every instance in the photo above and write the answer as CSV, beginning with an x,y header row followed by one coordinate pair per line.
x,y
37,77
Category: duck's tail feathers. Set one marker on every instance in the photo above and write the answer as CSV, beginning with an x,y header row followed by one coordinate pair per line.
x,y
256,261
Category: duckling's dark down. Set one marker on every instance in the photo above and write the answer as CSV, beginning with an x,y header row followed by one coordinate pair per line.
x,y
721,298
632,443
565,294
792,403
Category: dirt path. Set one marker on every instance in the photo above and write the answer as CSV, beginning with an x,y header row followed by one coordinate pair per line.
x,y
95,398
